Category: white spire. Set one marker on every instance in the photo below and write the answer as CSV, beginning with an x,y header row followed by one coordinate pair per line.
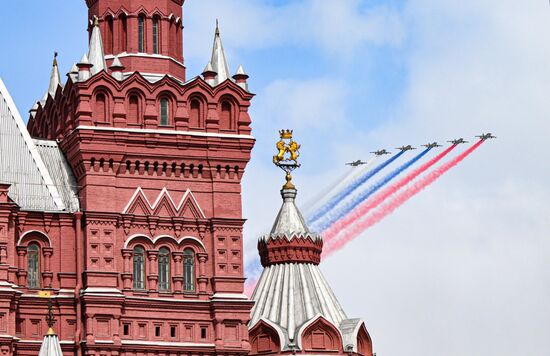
x,y
218,61
55,79
96,55
50,346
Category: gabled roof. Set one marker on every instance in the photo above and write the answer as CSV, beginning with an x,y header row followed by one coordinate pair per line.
x,y
21,165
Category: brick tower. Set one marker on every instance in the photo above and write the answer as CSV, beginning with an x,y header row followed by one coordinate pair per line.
x,y
126,204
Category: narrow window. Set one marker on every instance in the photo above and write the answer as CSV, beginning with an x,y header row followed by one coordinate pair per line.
x,y
109,36
141,34
133,110
164,269
188,270
126,329
173,331
164,112
101,108
124,33
33,257
157,330
195,113
156,35
225,118
203,333
139,268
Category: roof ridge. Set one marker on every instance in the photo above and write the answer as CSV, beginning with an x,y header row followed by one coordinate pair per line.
x,y
39,163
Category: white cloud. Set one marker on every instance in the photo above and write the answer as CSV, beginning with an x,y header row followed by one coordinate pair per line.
x,y
340,28
462,267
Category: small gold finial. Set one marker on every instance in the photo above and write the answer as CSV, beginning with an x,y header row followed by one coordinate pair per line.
x,y
96,21
287,156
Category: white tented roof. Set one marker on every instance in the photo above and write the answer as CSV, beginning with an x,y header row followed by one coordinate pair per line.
x,y
23,167
50,346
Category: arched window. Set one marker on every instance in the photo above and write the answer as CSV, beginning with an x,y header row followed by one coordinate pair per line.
x,y
139,268
164,112
164,269
123,33
188,270
156,35
101,108
133,109
141,33
33,268
226,116
195,113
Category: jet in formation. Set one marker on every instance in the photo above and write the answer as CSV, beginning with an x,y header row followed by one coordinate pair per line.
x,y
381,152
458,141
486,136
406,148
432,145
356,163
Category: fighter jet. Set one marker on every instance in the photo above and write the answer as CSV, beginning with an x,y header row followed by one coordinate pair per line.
x,y
432,145
406,148
485,136
381,152
356,163
458,141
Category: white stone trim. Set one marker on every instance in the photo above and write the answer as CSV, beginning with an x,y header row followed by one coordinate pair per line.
x,y
165,343
165,132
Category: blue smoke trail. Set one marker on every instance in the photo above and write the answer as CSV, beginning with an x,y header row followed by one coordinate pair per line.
x,y
322,211
336,214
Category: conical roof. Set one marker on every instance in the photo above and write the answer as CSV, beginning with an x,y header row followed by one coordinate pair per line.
x,y
55,79
96,54
50,346
218,61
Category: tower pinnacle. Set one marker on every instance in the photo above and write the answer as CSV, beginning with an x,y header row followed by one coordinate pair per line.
x,y
218,60
96,54
55,79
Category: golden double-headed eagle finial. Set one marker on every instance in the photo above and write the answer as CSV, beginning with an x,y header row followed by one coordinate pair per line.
x,y
287,155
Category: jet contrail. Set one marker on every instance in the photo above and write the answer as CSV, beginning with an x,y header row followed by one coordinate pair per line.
x,y
350,188
338,213
379,198
396,202
350,176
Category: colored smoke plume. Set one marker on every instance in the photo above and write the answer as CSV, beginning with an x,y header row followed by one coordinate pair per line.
x,y
338,213
379,198
354,185
338,186
396,202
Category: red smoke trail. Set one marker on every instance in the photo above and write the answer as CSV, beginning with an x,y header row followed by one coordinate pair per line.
x,y
379,198
398,201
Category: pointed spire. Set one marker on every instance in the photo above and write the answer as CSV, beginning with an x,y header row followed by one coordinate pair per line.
x,y
240,78
209,74
55,79
218,61
116,69
84,68
73,73
96,54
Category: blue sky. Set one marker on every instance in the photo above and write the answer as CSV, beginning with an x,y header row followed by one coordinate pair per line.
x,y
461,268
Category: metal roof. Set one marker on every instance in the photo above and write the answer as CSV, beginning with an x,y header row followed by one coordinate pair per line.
x,y
21,165
61,173
50,346
218,61
290,296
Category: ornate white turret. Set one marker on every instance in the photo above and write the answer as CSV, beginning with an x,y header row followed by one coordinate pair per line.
x,y
295,310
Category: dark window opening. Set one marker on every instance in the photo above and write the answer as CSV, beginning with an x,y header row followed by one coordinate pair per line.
x,y
126,329
157,330
172,331
203,333
141,34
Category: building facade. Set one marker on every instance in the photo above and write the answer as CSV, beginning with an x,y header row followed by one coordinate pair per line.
x,y
122,196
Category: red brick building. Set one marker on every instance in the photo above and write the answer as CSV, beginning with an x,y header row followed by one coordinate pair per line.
x,y
123,198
